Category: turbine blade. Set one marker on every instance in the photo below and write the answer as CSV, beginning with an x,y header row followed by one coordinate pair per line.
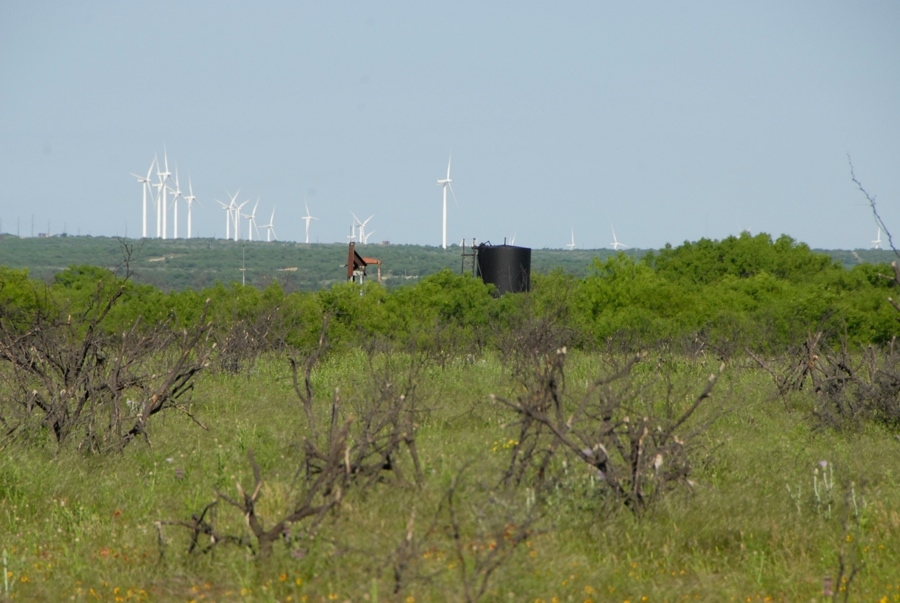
x,y
452,192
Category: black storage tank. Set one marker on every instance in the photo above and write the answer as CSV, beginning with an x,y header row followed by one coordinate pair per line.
x,y
506,266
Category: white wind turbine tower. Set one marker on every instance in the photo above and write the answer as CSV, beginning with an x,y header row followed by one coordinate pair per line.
x,y
145,187
876,244
164,177
176,193
352,236
160,196
251,222
363,237
270,228
308,218
358,228
571,245
616,245
445,184
237,218
190,199
228,209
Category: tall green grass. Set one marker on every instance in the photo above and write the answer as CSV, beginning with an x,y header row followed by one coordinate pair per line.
x,y
751,527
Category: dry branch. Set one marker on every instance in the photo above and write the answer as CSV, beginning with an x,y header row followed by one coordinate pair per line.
x,y
636,459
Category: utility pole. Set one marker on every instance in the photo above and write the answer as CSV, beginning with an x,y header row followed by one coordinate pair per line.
x,y
243,264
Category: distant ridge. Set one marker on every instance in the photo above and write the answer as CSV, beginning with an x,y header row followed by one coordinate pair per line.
x,y
199,263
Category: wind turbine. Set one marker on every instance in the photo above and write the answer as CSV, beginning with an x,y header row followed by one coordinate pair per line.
x,y
352,236
876,244
615,242
228,210
164,177
251,222
190,199
176,192
362,227
145,186
308,218
237,217
445,183
160,196
571,245
270,228
363,237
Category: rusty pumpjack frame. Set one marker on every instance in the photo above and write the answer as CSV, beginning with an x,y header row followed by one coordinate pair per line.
x,y
356,265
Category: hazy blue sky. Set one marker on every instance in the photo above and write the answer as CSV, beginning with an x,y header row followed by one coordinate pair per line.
x,y
670,121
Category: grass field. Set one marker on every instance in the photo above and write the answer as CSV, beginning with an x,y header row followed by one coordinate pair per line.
x,y
775,505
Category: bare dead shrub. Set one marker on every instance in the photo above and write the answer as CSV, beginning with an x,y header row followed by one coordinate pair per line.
x,y
313,496
796,367
67,373
637,450
383,420
309,361
529,336
389,415
482,536
240,345
474,527
351,450
851,387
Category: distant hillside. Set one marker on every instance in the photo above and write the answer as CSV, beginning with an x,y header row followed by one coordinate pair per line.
x,y
198,263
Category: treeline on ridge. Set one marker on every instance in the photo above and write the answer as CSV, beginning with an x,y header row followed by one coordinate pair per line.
x,y
745,292
177,264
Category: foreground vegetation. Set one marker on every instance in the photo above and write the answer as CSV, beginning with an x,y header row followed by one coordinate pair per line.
x,y
751,525
717,421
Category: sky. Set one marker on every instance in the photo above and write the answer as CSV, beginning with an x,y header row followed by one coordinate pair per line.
x,y
666,121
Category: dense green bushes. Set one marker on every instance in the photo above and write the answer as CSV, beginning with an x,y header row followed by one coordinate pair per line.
x,y
728,295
